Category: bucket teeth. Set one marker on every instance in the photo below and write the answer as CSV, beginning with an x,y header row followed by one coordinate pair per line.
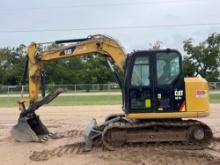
x,y
44,138
51,134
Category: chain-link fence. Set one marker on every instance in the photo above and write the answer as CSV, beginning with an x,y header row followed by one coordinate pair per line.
x,y
80,94
214,85
78,88
68,88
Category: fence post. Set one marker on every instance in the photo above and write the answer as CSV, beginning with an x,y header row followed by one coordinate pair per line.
x,y
22,91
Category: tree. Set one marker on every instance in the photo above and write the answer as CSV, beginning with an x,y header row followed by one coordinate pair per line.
x,y
12,64
63,71
204,58
78,70
95,70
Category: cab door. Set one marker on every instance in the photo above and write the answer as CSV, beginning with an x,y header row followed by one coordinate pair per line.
x,y
139,84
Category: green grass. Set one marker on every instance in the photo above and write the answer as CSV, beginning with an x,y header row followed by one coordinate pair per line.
x,y
8,102
70,100
87,100
215,98
84,100
69,91
92,90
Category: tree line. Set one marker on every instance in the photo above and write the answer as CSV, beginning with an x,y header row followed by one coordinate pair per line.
x,y
198,59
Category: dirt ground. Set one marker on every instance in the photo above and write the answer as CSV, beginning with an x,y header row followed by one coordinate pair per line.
x,y
71,121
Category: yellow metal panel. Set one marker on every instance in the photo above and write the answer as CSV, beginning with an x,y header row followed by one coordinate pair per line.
x,y
34,70
97,44
168,115
197,98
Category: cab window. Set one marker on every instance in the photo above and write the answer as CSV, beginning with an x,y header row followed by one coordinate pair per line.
x,y
141,72
168,67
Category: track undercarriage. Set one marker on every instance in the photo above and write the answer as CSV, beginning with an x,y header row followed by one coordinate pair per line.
x,y
117,131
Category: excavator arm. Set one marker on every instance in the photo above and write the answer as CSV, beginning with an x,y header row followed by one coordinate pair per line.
x,y
96,44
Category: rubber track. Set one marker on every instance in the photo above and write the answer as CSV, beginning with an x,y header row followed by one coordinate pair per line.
x,y
168,124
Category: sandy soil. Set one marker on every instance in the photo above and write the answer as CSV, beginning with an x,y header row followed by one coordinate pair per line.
x,y
72,121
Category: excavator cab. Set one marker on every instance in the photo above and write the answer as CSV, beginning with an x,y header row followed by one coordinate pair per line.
x,y
151,80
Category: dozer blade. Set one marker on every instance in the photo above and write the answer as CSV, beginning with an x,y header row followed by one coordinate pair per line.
x,y
93,132
29,127
90,134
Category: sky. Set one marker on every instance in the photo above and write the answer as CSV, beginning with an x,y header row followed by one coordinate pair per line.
x,y
133,23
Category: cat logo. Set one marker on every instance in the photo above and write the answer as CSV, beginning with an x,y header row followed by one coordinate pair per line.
x,y
178,94
67,51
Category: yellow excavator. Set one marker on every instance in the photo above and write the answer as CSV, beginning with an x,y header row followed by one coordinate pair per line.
x,y
157,98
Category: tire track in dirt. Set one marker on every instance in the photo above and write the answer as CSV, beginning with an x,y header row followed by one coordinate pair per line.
x,y
57,152
215,145
76,131
66,134
163,155
170,153
179,151
74,148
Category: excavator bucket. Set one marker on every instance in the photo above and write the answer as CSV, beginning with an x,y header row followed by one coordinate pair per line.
x,y
29,127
